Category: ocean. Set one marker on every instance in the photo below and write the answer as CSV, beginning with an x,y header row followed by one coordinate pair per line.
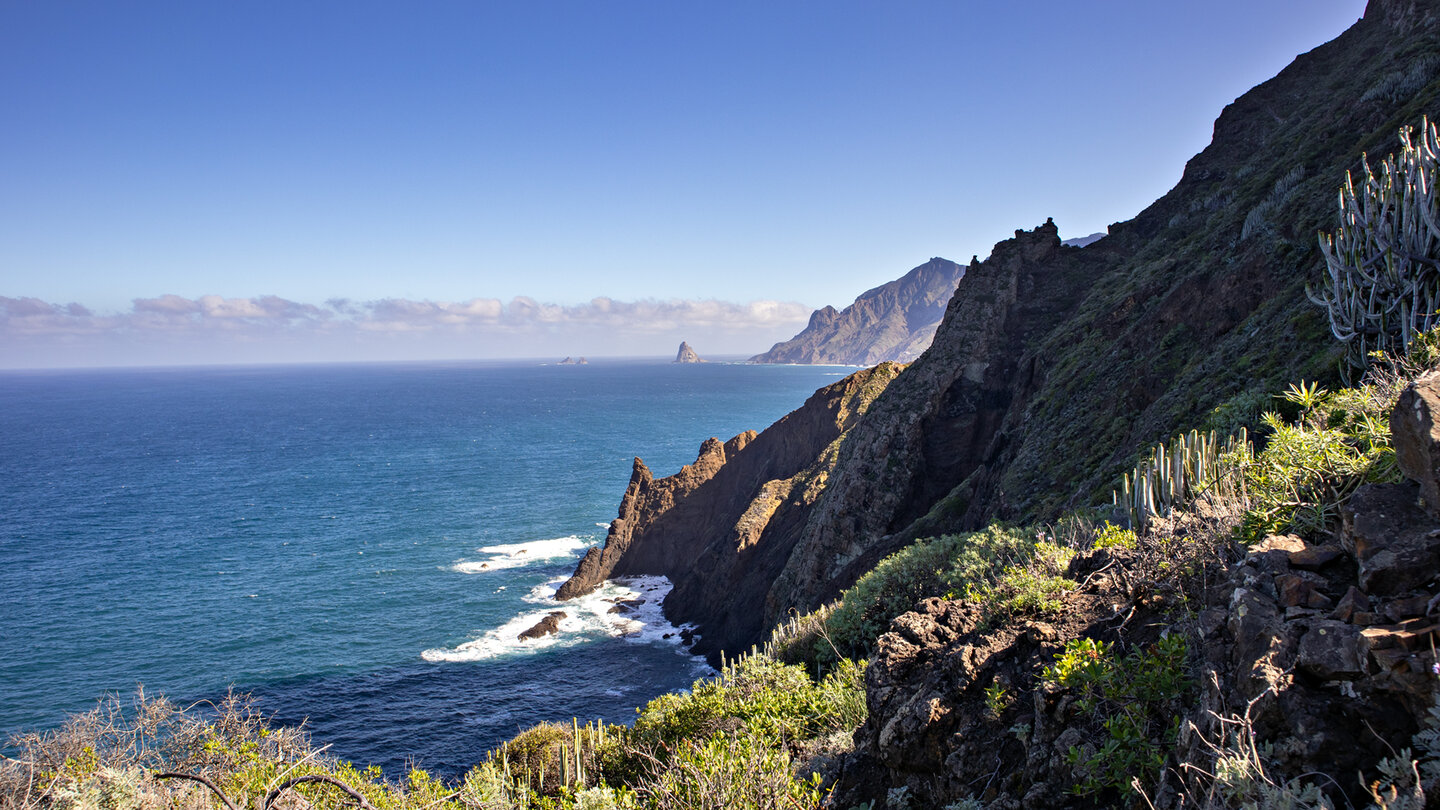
x,y
355,545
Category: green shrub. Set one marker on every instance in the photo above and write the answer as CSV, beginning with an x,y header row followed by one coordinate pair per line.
x,y
1309,466
1031,586
798,639
1132,701
1177,473
942,566
743,773
534,755
761,696
1023,590
1382,279
1112,536
114,755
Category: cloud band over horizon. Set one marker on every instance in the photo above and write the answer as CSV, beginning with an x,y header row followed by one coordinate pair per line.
x,y
212,328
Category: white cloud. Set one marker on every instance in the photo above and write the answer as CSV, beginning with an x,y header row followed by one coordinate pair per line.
x,y
360,330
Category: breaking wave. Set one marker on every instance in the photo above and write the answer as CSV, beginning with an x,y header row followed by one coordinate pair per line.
x,y
628,608
518,555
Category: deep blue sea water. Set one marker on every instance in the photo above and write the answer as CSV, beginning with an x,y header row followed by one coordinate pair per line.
x,y
356,545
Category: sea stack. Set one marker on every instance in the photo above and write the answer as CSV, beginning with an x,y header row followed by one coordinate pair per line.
x,y
687,354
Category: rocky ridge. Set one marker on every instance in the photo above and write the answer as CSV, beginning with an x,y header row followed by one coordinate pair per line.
x,y
722,527
934,427
892,322
1054,367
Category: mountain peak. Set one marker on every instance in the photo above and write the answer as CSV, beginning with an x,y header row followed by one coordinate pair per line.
x,y
894,321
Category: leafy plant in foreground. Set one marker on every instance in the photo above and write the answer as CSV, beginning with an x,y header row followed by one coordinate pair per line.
x,y
1309,466
1131,699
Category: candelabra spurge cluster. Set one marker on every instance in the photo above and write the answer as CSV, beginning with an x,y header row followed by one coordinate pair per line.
x,y
1382,263
1193,464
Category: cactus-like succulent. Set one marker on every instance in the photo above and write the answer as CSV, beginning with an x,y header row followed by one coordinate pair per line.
x,y
1382,263
1192,464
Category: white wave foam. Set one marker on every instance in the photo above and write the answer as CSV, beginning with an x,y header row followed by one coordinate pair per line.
x,y
517,555
588,617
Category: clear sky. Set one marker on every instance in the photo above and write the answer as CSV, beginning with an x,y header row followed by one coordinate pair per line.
x,y
206,181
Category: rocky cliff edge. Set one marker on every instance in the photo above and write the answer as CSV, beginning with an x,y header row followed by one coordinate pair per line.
x,y
723,526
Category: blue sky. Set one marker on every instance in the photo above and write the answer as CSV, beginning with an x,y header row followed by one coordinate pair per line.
x,y
227,182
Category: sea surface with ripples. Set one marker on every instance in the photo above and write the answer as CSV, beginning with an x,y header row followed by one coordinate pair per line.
x,y
355,545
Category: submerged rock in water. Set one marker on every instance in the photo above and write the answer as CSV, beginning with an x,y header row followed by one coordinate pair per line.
x,y
544,627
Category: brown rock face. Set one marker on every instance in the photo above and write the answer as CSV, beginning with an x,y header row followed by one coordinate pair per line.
x,y
1397,547
1417,438
722,528
895,321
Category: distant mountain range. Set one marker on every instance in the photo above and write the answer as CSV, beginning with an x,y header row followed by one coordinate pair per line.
x,y
895,321
1082,241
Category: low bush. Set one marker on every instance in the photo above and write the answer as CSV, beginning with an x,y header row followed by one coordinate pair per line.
x,y
1131,702
119,755
1112,536
1310,465
760,697
743,772
550,757
943,566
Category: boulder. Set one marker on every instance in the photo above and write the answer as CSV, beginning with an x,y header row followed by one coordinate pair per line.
x,y
1407,607
1416,437
1353,602
1301,590
1263,647
1273,553
1333,651
1313,558
1395,541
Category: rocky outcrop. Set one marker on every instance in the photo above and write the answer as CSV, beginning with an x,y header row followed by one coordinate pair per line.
x,y
895,322
687,354
544,627
1331,690
1053,366
722,527
1416,437
936,424
1324,648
